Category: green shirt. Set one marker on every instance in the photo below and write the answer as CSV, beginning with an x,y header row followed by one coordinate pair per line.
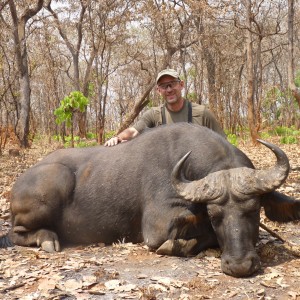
x,y
200,115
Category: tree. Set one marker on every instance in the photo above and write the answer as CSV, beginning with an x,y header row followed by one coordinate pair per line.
x,y
76,102
20,43
291,66
256,31
108,29
169,30
115,48
74,49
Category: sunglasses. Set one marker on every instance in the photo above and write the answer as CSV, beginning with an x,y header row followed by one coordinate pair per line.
x,y
170,84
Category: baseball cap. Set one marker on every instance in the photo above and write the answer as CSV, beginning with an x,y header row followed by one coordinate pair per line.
x,y
170,72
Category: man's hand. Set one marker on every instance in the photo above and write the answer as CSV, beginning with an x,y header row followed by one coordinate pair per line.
x,y
113,141
122,137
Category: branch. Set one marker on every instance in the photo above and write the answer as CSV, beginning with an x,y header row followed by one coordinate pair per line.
x,y
3,5
30,12
79,28
263,226
11,288
294,249
137,108
60,29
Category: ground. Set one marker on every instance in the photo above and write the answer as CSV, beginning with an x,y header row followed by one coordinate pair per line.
x,y
127,271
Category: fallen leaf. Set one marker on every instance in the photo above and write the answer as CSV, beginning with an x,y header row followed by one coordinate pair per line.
x,y
279,282
112,284
47,284
72,284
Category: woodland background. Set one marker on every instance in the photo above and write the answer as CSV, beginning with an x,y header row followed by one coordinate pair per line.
x,y
240,58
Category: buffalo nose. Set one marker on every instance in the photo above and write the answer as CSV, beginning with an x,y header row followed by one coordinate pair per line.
x,y
240,267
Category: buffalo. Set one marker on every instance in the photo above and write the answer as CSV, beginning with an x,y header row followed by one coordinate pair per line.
x,y
179,189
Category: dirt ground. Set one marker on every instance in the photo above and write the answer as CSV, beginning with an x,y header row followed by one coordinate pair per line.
x,y
127,271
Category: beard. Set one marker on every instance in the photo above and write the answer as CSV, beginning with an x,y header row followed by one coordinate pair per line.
x,y
171,99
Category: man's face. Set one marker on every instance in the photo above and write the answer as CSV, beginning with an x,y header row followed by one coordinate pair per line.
x,y
170,89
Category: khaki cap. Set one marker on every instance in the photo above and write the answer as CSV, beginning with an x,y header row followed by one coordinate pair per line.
x,y
170,72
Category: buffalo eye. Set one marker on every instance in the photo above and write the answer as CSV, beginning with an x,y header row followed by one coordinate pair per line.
x,y
216,221
251,208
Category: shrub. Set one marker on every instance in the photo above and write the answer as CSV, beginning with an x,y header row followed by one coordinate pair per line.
x,y
265,135
282,131
75,102
232,138
289,140
84,144
91,135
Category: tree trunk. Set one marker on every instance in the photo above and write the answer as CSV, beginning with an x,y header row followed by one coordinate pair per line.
x,y
137,108
22,128
210,65
291,69
250,76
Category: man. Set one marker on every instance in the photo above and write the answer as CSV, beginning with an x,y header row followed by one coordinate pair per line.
x,y
175,109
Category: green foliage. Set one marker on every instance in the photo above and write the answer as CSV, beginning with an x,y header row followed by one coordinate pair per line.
x,y
76,101
150,103
109,135
289,135
192,96
91,135
265,135
83,144
38,137
280,131
232,139
289,140
285,131
80,144
68,138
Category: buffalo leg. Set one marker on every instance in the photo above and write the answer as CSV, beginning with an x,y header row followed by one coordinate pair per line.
x,y
179,247
186,235
44,238
38,199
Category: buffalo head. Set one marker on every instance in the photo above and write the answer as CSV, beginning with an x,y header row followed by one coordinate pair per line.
x,y
233,199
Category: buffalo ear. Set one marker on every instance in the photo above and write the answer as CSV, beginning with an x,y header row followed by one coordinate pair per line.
x,y
280,208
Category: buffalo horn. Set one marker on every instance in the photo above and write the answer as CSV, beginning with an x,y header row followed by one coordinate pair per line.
x,y
250,181
207,188
243,180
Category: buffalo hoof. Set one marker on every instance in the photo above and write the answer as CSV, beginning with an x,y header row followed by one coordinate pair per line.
x,y
178,247
48,240
50,246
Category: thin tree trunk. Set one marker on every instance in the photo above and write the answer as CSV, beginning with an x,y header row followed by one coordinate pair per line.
x,y
291,66
250,76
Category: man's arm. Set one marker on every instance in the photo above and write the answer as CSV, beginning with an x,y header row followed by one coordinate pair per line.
x,y
146,121
124,136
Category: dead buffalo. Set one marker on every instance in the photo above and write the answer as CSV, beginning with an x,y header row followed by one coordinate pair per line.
x,y
148,190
